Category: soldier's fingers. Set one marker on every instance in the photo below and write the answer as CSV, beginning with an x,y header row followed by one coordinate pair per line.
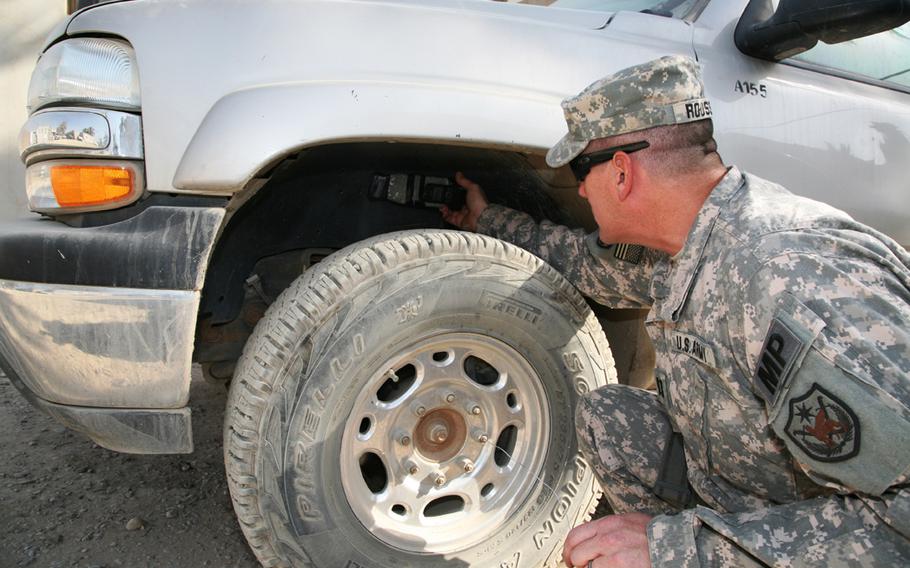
x,y
584,552
458,219
466,183
609,529
575,537
622,541
454,217
604,525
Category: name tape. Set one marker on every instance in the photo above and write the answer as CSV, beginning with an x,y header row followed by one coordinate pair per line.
x,y
688,111
693,347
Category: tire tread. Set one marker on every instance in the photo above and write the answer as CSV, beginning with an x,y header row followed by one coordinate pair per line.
x,y
298,311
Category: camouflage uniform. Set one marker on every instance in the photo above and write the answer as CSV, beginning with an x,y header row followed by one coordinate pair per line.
x,y
782,332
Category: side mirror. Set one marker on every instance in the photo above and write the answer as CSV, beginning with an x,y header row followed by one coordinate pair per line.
x,y
797,25
74,5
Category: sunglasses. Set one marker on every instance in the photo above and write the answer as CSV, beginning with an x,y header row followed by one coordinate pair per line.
x,y
582,165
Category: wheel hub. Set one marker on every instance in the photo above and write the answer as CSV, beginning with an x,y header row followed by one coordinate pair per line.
x,y
439,449
441,434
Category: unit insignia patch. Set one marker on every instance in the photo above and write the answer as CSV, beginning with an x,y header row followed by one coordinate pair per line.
x,y
823,426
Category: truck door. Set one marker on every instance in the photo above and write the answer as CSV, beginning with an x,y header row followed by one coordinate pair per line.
x,y
832,123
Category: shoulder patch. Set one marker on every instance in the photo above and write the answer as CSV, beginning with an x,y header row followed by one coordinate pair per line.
x,y
621,251
775,361
628,253
823,426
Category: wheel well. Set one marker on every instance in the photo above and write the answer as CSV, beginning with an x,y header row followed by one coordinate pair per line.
x,y
316,202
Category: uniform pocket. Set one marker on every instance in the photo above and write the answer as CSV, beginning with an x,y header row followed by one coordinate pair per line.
x,y
743,449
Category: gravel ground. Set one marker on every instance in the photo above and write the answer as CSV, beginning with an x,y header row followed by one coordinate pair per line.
x,y
67,502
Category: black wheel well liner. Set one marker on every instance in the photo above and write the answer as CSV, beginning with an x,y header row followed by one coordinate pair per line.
x,y
317,199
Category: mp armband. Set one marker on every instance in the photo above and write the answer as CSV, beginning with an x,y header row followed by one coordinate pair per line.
x,y
842,428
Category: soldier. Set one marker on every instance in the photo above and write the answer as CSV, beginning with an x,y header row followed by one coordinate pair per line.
x,y
780,433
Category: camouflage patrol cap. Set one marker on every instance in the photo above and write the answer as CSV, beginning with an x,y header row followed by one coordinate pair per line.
x,y
664,91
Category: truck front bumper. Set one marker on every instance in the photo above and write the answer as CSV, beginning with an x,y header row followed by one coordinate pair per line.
x,y
97,324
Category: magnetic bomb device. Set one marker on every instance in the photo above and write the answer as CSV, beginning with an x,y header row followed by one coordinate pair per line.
x,y
417,190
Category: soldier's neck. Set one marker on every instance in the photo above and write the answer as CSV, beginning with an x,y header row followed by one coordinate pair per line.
x,y
677,205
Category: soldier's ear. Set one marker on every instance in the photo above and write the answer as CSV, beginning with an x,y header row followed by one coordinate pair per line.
x,y
624,178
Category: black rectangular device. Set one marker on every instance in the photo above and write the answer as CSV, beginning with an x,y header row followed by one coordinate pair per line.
x,y
417,190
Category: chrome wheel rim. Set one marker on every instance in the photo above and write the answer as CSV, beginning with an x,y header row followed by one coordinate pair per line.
x,y
445,443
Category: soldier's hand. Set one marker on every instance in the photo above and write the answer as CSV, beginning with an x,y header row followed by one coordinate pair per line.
x,y
475,203
611,542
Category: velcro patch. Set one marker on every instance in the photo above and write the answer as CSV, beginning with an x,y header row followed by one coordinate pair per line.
x,y
622,251
823,426
775,362
693,347
691,110
628,253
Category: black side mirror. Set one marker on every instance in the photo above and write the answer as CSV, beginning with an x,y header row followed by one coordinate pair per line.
x,y
798,25
73,5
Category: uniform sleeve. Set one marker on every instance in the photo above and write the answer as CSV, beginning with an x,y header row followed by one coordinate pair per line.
x,y
604,278
829,353
825,337
839,530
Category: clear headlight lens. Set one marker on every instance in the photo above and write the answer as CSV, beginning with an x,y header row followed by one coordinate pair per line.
x,y
96,71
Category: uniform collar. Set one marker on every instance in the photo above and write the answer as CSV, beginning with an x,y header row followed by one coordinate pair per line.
x,y
674,276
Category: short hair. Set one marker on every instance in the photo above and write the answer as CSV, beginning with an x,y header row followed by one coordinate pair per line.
x,y
674,149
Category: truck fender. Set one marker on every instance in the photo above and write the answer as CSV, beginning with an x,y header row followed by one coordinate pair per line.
x,y
248,130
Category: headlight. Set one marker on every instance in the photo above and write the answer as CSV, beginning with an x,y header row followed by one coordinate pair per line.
x,y
94,71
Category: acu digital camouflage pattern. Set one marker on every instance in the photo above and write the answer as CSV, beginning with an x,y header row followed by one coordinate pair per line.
x,y
624,464
658,93
755,254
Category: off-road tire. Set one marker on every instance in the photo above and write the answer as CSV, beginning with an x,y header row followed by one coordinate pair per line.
x,y
313,354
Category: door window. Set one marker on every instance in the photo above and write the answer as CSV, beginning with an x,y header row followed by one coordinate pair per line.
x,y
884,56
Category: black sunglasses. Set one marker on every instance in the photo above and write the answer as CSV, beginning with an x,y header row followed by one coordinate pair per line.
x,y
581,166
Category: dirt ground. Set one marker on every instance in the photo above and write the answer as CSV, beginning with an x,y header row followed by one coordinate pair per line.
x,y
66,502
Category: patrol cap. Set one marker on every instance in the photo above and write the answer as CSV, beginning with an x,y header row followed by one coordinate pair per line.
x,y
664,91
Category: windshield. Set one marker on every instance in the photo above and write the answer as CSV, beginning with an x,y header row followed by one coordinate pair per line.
x,y
668,8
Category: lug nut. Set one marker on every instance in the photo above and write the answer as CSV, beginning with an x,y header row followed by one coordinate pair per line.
x,y
450,398
420,410
475,410
439,479
468,466
480,436
405,440
412,468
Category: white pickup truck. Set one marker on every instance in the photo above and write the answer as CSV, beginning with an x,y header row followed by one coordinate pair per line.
x,y
407,396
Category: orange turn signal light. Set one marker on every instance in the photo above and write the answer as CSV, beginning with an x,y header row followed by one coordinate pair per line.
x,y
80,186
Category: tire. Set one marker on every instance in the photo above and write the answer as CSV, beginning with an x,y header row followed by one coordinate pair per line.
x,y
409,401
